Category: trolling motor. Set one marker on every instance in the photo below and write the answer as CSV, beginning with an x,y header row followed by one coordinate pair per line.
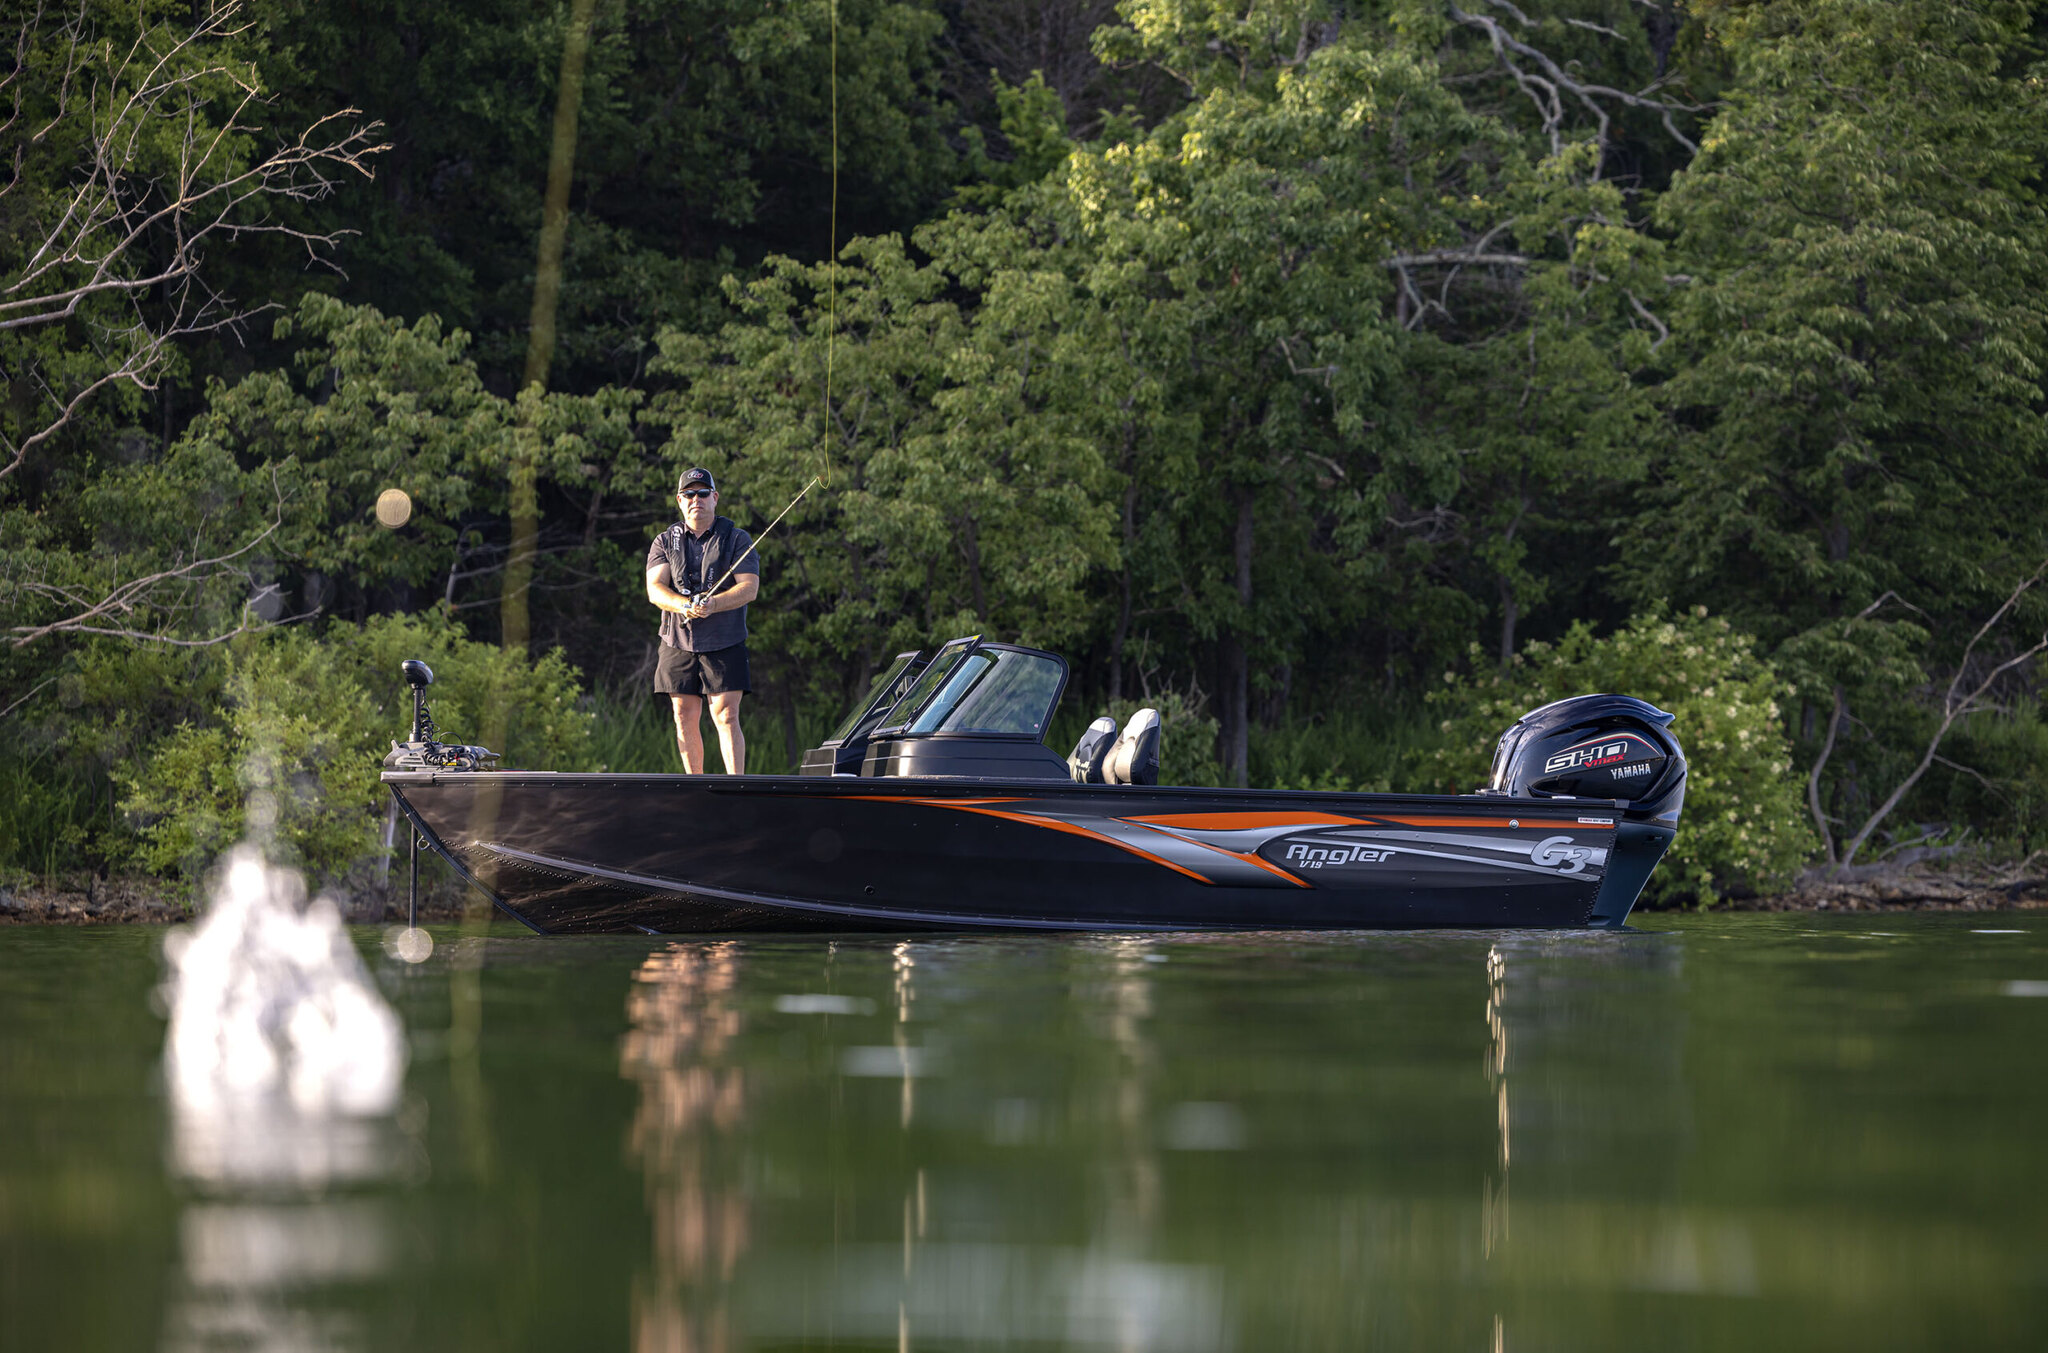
x,y
424,750
1602,747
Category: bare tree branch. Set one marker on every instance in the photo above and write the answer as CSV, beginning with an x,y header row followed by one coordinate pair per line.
x,y
1548,84
1827,749
1955,705
251,621
132,595
123,233
91,608
1455,256
32,692
1591,27
1663,333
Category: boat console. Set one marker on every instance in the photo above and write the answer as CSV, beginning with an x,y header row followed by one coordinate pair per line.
x,y
974,709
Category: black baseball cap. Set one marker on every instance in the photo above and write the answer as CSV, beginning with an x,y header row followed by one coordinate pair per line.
x,y
699,478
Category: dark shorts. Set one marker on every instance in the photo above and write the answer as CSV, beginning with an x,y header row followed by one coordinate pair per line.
x,y
678,672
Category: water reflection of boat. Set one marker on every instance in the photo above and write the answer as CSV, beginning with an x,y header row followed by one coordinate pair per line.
x,y
801,1198
937,804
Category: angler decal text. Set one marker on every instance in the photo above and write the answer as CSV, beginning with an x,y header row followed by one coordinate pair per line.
x,y
1315,857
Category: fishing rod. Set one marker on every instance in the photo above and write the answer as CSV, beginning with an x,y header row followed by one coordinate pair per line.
x,y
756,545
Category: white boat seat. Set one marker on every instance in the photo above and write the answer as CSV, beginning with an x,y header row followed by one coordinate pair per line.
x,y
1134,760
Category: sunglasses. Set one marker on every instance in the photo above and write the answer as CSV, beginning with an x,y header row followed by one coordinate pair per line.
x,y
694,494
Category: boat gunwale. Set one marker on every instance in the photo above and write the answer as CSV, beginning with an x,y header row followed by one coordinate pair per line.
x,y
936,786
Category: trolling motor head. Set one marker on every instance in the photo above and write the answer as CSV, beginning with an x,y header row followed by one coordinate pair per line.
x,y
419,676
1602,747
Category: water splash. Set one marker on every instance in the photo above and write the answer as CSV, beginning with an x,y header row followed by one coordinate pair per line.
x,y
283,1063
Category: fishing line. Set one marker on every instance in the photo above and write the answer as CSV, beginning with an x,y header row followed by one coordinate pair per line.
x,y
832,249
831,318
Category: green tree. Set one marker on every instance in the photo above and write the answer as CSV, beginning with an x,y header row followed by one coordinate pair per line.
x,y
1856,369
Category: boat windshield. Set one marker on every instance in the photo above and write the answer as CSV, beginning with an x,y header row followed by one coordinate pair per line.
x,y
995,690
881,697
930,680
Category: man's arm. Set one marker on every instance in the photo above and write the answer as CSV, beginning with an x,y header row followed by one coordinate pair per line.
x,y
665,596
745,587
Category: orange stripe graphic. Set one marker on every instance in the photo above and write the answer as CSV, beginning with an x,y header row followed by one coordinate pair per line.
x,y
1243,821
1058,826
973,806
1266,865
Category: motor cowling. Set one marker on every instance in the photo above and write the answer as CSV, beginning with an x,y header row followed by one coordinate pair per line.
x,y
1596,747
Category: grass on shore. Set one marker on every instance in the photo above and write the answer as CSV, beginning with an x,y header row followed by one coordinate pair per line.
x,y
635,731
46,817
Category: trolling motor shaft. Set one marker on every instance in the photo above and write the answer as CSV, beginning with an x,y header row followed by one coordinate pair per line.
x,y
419,676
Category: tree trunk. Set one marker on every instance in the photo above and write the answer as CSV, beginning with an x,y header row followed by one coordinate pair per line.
x,y
1273,708
970,545
515,617
1123,606
1510,614
1236,657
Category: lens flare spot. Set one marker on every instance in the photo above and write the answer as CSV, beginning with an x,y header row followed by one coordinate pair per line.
x,y
408,944
394,508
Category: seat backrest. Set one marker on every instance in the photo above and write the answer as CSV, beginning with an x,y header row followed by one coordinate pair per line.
x,y
1084,763
1134,760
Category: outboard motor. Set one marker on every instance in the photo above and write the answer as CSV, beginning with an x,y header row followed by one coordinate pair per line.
x,y
1602,747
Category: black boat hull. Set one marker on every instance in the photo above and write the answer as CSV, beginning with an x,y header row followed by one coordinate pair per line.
x,y
569,853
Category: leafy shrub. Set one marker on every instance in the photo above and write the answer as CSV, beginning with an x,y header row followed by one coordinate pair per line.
x,y
1362,746
306,721
1744,824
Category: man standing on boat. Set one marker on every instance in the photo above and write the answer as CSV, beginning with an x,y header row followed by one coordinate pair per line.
x,y
703,631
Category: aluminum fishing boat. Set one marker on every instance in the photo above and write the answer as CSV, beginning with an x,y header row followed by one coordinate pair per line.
x,y
936,805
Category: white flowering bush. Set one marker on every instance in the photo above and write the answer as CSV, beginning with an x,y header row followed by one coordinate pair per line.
x,y
1745,825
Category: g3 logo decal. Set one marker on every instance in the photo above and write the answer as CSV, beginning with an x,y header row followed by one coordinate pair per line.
x,y
1559,851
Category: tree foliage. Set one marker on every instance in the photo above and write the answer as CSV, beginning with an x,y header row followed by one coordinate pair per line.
x,y
1270,355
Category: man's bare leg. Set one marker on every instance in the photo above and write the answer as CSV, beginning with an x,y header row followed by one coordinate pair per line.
x,y
725,714
689,735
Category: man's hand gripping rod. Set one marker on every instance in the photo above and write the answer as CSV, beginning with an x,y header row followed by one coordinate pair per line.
x,y
713,589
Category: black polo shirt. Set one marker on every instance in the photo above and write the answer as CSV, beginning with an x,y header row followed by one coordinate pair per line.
x,y
694,563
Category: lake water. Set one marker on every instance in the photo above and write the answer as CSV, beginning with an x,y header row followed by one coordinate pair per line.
x,y
1747,1132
